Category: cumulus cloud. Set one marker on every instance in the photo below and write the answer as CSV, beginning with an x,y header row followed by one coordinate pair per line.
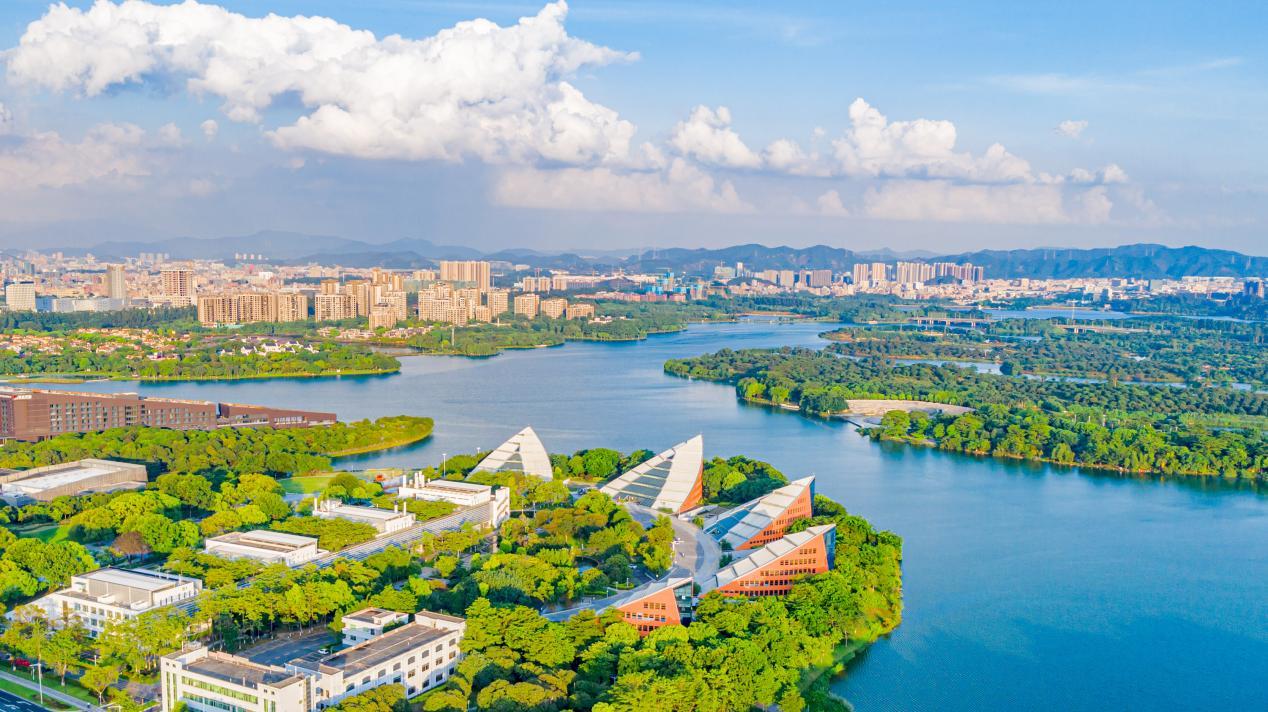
x,y
707,136
209,128
1071,128
108,152
830,204
170,135
474,90
1021,204
681,188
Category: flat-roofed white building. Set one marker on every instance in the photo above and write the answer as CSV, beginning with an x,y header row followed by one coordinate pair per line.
x,y
44,484
463,494
524,452
385,521
213,682
265,545
672,480
366,623
100,596
419,655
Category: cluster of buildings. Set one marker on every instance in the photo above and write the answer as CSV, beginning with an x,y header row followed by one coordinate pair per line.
x,y
33,414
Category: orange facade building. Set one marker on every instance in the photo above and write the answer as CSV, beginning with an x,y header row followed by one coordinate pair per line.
x,y
656,605
773,569
761,521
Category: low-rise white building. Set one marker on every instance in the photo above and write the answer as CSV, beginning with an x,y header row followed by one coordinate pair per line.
x,y
385,521
44,484
265,545
418,655
100,596
366,623
463,494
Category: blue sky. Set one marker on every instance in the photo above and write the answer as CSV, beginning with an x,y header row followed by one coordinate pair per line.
x,y
1118,122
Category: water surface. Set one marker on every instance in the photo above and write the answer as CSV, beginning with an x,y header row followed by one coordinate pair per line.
x,y
1027,587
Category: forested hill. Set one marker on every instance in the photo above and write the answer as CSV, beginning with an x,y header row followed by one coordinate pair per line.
x,y
1142,261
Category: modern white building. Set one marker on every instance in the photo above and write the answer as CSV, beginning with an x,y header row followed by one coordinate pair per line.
x,y
44,484
524,452
100,596
463,494
366,623
419,655
265,545
385,521
672,480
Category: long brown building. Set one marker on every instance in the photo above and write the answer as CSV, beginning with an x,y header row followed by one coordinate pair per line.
x,y
35,414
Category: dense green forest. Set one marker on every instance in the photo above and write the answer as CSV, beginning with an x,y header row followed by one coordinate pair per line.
x,y
1117,426
181,318
213,452
1147,349
615,321
194,357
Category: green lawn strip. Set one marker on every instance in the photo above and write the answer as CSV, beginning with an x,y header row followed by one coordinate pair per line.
x,y
305,485
50,683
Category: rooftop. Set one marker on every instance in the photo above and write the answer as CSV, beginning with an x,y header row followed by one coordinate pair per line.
x,y
739,524
523,452
665,480
375,651
134,578
240,671
766,555
266,539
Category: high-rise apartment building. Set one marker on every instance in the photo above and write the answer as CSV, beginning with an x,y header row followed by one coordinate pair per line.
x,y
498,301
333,307
553,308
250,307
116,282
476,273
576,310
527,305
177,285
20,296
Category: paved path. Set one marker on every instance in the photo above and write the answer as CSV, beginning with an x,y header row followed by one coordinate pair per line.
x,y
11,702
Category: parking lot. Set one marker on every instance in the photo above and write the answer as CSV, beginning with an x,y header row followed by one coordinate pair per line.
x,y
286,648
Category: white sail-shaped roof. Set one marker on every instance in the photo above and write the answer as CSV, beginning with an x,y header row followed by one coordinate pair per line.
x,y
738,525
670,480
524,452
769,554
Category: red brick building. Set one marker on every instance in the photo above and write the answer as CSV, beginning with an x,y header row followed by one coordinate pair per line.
x,y
761,521
34,414
655,605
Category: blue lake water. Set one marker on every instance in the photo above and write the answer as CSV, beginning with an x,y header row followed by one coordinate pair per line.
x,y
1026,586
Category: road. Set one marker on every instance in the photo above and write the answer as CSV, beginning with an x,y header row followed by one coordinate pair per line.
x,y
11,702
696,554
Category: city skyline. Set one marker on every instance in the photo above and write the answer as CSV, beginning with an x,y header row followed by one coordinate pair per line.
x,y
611,125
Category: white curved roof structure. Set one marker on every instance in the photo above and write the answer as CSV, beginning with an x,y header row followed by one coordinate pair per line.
x,y
524,452
740,525
672,480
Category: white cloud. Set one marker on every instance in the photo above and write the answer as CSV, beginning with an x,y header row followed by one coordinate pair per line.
x,y
830,204
875,146
1023,204
209,128
682,188
6,120
170,135
108,152
473,90
707,136
1071,128
786,156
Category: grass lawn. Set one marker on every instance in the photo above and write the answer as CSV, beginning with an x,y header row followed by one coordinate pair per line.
x,y
305,485
50,683
45,532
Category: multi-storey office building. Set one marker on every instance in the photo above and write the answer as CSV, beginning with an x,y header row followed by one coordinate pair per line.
x,y
33,414
760,521
773,569
105,595
44,484
418,655
265,545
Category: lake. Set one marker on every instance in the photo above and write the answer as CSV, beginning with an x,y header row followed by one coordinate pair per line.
x,y
1026,586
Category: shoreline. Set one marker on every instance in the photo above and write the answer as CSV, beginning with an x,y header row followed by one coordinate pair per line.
x,y
67,379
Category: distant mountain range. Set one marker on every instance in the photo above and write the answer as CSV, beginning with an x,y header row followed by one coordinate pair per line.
x,y
1144,261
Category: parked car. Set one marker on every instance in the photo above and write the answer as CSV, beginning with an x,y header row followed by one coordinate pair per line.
x,y
22,663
